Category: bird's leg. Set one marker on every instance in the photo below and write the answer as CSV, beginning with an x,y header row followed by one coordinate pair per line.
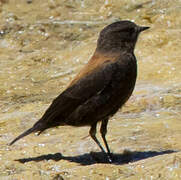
x,y
92,133
103,131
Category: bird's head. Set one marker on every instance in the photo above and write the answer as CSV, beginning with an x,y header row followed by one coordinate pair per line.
x,y
119,36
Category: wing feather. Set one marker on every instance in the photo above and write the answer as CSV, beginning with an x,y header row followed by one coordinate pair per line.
x,y
79,92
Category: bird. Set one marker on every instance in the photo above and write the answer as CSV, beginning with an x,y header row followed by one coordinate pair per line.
x,y
100,89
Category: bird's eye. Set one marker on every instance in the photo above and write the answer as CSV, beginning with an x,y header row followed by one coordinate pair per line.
x,y
131,30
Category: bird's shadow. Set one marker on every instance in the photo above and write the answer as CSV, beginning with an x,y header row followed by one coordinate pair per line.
x,y
99,157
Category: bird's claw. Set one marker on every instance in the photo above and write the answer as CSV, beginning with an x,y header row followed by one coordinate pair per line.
x,y
110,158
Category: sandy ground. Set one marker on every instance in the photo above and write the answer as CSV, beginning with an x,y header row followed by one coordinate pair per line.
x,y
43,45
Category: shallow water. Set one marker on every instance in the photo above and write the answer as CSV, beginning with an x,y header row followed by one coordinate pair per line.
x,y
43,44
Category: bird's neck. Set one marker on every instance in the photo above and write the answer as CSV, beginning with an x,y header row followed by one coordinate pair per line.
x,y
116,48
106,55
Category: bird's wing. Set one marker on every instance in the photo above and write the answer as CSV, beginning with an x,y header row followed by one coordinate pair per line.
x,y
76,94
79,92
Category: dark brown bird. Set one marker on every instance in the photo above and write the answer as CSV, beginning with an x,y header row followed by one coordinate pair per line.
x,y
101,88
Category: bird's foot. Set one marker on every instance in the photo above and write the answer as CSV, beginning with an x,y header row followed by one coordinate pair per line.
x,y
110,157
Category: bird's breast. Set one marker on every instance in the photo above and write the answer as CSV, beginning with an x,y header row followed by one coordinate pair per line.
x,y
121,87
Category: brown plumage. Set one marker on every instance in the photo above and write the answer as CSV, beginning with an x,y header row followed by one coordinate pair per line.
x,y
101,88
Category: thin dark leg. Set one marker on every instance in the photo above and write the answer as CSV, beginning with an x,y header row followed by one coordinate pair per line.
x,y
103,131
92,133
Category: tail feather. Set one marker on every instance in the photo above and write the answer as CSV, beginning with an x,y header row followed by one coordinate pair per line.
x,y
29,131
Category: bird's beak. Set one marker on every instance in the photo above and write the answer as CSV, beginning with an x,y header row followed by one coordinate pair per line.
x,y
143,28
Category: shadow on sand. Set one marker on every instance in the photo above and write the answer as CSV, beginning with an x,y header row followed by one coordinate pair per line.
x,y
99,157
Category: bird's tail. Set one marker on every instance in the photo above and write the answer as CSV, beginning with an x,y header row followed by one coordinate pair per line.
x,y
29,131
